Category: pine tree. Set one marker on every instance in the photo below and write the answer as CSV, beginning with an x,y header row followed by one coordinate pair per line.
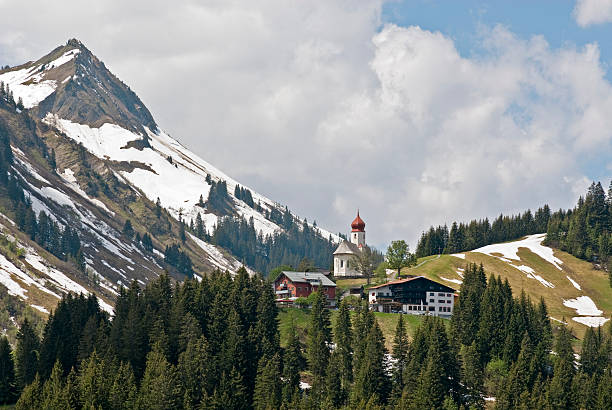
x,y
159,388
371,378
344,345
128,230
30,396
53,393
267,394
335,393
318,341
472,376
26,355
195,371
199,227
293,363
400,355
560,394
8,389
123,392
430,392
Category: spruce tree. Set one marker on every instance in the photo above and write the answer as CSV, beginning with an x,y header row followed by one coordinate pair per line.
x,y
26,355
472,376
30,397
400,356
159,388
343,338
318,341
267,394
53,392
293,363
371,377
560,395
8,389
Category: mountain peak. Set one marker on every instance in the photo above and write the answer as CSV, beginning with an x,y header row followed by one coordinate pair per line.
x,y
72,83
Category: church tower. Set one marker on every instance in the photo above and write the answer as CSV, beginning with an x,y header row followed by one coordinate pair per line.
x,y
358,232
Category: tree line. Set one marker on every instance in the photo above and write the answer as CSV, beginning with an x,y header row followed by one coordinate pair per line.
x,y
464,237
263,253
215,344
586,230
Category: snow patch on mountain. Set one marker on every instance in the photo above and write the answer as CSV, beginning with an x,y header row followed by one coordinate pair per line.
x,y
576,285
583,305
6,269
29,83
70,180
167,171
591,321
509,250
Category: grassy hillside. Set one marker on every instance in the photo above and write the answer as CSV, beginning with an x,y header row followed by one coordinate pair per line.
x,y
301,317
594,283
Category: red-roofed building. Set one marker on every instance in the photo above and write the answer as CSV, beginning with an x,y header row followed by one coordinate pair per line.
x,y
416,295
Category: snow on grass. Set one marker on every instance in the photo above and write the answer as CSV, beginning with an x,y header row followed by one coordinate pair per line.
x,y
40,308
459,255
29,83
576,285
583,305
31,170
532,275
457,281
60,280
591,321
509,250
6,269
216,257
57,196
70,180
460,273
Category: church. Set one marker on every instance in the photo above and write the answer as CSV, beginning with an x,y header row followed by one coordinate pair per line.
x,y
347,250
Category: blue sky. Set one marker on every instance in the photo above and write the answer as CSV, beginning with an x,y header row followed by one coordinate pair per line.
x,y
463,20
460,20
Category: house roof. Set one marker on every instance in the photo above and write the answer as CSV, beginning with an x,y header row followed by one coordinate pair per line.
x,y
398,281
347,247
395,282
306,277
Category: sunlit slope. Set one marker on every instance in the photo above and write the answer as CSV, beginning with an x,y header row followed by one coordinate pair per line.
x,y
572,288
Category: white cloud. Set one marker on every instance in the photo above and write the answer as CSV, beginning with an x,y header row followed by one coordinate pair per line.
x,y
590,12
317,106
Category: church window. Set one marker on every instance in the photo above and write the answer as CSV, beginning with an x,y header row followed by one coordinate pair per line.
x,y
341,263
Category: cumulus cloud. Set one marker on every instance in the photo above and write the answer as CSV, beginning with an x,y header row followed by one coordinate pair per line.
x,y
317,106
591,12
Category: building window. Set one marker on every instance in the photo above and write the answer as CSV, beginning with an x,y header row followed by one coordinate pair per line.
x,y
373,294
448,295
432,309
342,263
431,300
431,293
441,301
347,264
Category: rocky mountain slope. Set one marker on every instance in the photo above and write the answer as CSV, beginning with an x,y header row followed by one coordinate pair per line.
x,y
88,155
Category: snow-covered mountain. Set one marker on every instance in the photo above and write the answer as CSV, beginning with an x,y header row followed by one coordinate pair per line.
x,y
89,154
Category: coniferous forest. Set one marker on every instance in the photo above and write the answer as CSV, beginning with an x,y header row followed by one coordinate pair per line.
x,y
215,344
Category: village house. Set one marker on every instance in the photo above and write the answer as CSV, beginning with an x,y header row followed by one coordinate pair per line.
x,y
289,286
416,295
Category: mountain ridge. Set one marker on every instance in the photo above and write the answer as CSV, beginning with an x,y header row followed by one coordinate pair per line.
x,y
87,155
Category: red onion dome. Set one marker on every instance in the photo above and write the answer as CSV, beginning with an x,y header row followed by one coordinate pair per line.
x,y
358,225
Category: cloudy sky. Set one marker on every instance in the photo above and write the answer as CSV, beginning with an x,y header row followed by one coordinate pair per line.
x,y
418,112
